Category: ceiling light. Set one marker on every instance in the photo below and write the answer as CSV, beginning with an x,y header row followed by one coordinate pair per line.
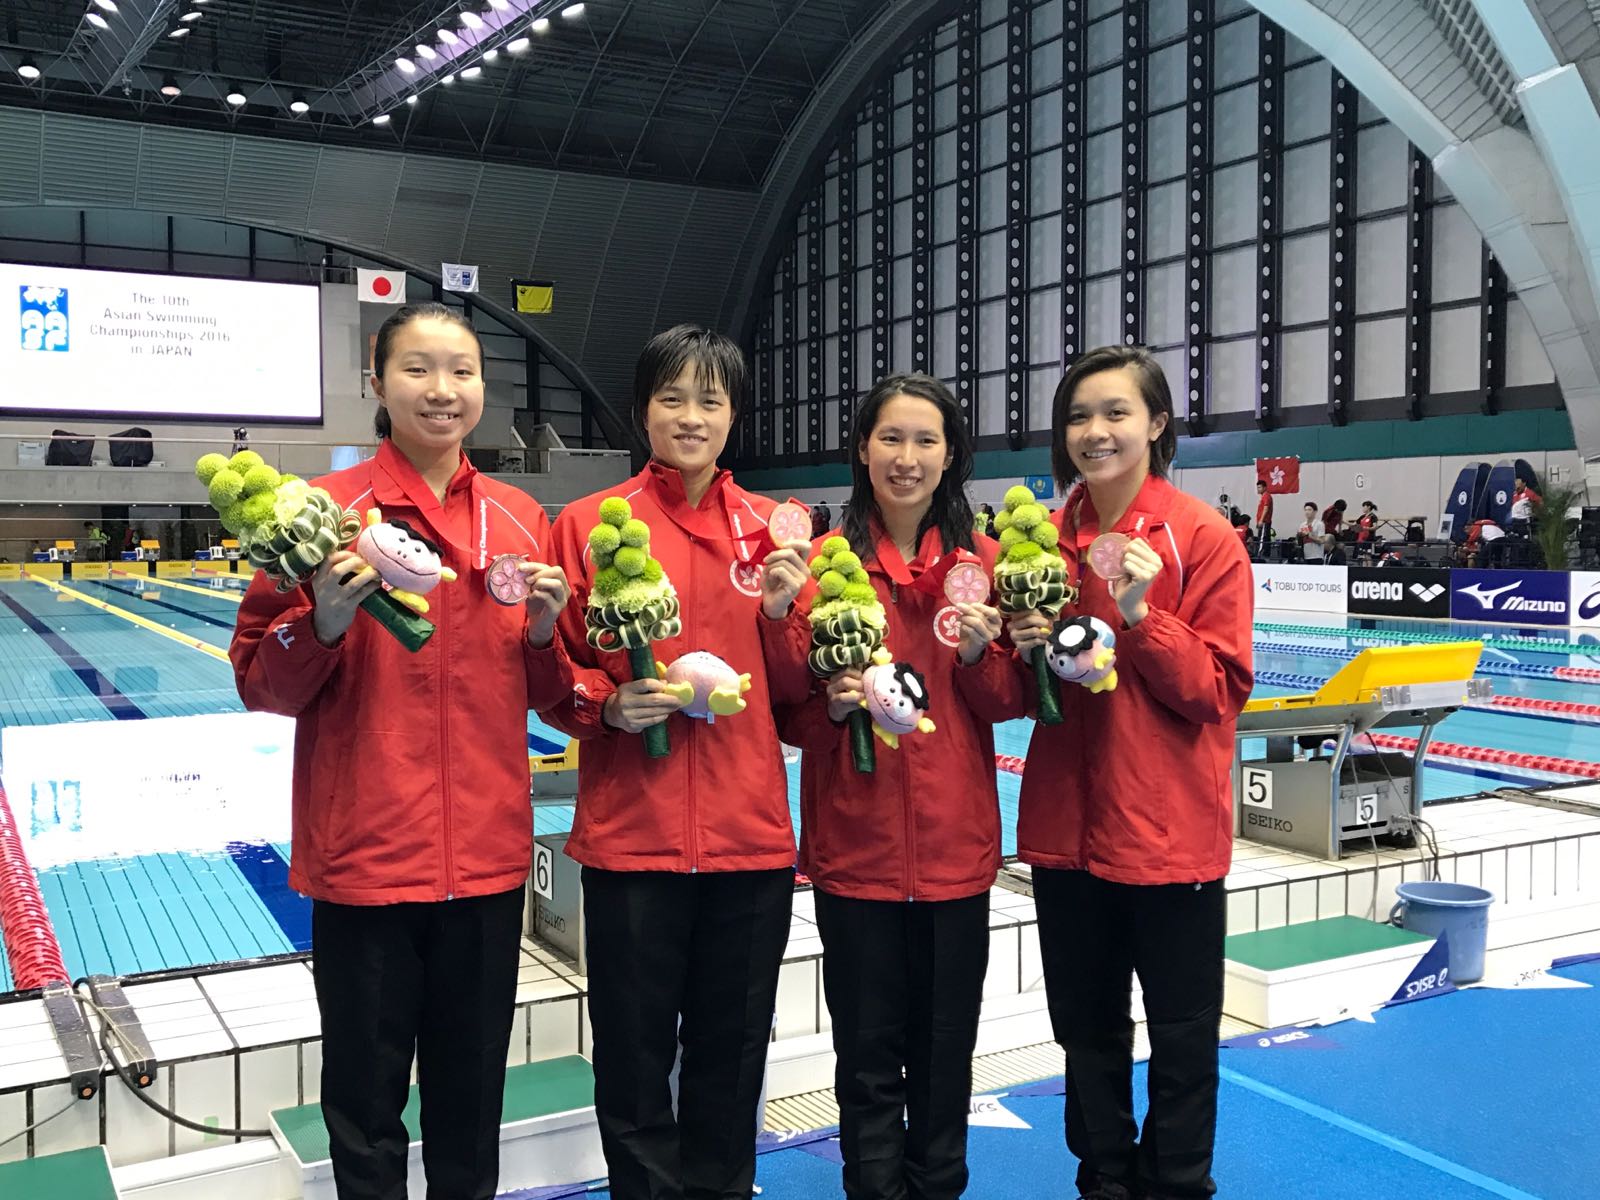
x,y
491,55
194,15
448,37
181,31
471,72
500,5
298,104
517,45
426,51
235,97
406,65
411,99
28,69
447,80
572,12
97,21
381,119
471,20
542,25
109,6
170,88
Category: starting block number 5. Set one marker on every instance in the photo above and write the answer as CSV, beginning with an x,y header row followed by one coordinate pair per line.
x,y
544,871
1257,787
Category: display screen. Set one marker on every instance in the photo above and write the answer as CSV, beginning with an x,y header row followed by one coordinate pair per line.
x,y
115,344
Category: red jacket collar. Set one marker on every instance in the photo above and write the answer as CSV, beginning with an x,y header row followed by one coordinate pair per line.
x,y
396,481
1148,510
890,562
708,519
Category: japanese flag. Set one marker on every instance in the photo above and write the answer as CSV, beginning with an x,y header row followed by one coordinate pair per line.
x,y
380,287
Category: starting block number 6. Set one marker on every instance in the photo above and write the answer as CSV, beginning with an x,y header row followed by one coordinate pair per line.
x,y
544,871
1257,787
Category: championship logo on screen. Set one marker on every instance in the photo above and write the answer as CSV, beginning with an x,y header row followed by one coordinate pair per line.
x,y
44,318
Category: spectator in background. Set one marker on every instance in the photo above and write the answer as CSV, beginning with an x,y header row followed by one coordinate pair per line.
x,y
1524,502
1478,549
1308,526
241,439
983,519
821,519
1367,522
1263,517
1223,506
1333,521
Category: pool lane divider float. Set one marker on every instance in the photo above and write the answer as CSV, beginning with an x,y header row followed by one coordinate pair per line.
x,y
233,594
183,639
1486,666
1380,637
31,944
1549,764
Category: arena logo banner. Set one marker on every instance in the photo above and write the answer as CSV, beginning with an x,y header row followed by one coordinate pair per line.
x,y
1302,588
1586,599
1510,597
1400,591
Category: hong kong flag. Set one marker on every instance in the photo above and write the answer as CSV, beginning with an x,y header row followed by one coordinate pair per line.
x,y
380,287
1282,475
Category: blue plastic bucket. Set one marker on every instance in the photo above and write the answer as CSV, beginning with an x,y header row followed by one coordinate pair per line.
x,y
1458,911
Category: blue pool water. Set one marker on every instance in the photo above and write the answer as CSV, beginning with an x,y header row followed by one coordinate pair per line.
x,y
64,660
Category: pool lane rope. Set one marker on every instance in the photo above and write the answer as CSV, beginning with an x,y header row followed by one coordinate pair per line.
x,y
1486,666
31,944
1381,637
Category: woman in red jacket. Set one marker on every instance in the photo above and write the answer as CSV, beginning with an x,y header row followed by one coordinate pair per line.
x,y
1126,809
904,980
412,832
688,860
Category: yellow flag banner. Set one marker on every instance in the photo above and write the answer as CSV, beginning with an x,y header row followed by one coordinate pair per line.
x,y
534,295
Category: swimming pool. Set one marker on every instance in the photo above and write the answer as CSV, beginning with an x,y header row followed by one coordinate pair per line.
x,y
132,649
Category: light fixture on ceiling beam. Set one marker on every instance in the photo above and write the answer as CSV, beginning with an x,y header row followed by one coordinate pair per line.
x,y
448,37
235,97
426,51
412,99
170,88
97,20
109,6
490,56
406,65
517,45
298,105
28,69
381,119
572,12
499,5
193,14
181,31
471,72
542,25
447,80
471,20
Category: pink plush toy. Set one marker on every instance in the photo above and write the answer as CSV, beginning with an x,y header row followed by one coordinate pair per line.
x,y
405,560
708,687
896,698
1083,650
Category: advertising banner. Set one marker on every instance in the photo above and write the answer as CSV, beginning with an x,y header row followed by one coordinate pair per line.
x,y
1295,586
1585,599
1510,597
1399,591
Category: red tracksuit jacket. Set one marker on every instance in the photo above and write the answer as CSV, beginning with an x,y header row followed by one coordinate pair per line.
x,y
1134,786
926,824
719,801
410,770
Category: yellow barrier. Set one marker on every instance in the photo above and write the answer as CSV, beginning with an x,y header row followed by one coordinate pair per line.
x,y
168,569
91,570
42,570
567,760
10,572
